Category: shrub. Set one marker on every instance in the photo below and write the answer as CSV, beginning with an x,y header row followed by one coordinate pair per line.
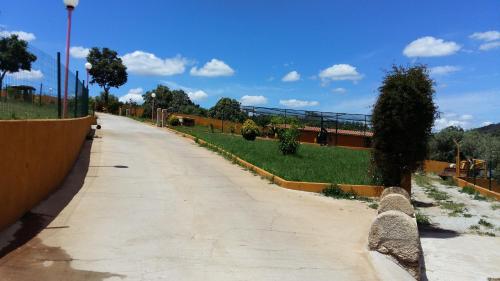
x,y
211,127
336,192
289,140
249,130
173,120
402,121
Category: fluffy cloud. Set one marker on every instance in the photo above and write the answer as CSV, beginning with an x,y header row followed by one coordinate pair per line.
x,y
253,100
339,90
339,72
213,68
26,36
197,95
298,103
79,52
486,123
291,76
491,35
27,75
134,95
429,46
444,69
143,63
451,119
489,46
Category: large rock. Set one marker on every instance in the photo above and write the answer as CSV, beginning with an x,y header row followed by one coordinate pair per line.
x,y
395,190
396,234
396,202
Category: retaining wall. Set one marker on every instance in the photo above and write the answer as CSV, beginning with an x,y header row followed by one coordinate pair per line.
x,y
432,166
36,156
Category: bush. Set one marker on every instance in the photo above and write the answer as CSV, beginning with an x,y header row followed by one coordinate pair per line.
x,y
402,121
336,192
289,140
173,120
249,130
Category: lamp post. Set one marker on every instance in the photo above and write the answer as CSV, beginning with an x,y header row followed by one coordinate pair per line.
x,y
70,6
153,95
88,67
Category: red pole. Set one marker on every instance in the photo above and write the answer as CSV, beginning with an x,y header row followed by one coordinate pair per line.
x,y
68,37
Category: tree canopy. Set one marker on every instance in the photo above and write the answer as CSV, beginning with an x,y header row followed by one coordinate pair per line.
x,y
14,56
227,109
173,100
107,70
402,120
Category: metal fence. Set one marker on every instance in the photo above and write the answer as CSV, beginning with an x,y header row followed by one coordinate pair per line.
x,y
326,120
37,94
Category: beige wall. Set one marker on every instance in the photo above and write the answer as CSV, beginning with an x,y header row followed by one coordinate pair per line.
x,y
36,155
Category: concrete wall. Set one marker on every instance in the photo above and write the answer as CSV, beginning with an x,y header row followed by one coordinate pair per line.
x,y
36,155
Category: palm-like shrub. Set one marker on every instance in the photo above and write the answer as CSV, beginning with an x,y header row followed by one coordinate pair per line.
x,y
173,120
289,140
249,130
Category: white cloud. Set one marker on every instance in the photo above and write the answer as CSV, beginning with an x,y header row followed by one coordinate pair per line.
x,y
133,94
26,36
27,75
253,100
486,123
491,35
339,90
143,63
298,103
79,52
444,69
429,46
197,95
442,123
291,76
339,72
213,68
489,46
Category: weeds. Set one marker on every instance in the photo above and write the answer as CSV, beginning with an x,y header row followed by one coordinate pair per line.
x,y
373,205
467,215
422,180
455,208
436,194
495,206
336,192
485,223
474,227
422,219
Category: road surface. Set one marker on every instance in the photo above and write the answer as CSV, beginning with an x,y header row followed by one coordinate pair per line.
x,y
155,206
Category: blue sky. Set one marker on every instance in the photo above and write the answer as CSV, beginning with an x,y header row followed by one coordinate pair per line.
x,y
316,55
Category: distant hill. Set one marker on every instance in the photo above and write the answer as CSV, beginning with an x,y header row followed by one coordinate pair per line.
x,y
493,129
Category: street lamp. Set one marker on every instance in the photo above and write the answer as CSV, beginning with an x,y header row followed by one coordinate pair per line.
x,y
88,67
153,95
70,6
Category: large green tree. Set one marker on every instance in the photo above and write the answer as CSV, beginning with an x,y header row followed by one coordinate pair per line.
x,y
402,120
174,100
227,109
442,144
14,56
107,70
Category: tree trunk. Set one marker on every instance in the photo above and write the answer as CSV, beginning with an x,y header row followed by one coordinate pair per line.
x,y
406,182
106,98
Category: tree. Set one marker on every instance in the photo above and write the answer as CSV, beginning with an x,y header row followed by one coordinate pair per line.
x,y
402,121
227,109
173,100
112,105
107,70
442,146
14,56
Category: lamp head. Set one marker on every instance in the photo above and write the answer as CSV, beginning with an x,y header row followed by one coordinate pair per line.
x,y
88,66
153,95
71,3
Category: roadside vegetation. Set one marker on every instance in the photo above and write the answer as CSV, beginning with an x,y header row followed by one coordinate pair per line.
x,y
310,163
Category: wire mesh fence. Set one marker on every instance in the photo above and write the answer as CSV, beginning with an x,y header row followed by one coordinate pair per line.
x,y
37,94
316,119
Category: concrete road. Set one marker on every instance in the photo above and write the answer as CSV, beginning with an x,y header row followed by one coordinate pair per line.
x,y
155,206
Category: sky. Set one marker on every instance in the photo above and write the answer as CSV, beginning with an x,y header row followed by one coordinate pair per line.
x,y
312,55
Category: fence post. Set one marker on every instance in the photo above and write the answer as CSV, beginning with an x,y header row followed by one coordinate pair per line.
x,y
59,85
336,128
40,95
76,95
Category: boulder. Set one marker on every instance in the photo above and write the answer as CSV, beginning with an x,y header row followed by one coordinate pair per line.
x,y
396,234
396,202
396,190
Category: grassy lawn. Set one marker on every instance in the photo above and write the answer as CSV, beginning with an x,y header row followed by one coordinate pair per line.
x,y
12,110
311,163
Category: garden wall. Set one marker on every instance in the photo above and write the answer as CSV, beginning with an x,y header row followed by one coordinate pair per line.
x,y
36,157
432,166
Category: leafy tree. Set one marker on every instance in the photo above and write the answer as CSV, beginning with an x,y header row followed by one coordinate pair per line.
x,y
402,121
227,109
112,105
442,146
14,56
249,130
107,70
173,100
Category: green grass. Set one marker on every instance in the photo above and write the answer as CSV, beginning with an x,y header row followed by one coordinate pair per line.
x,y
311,163
454,208
474,193
422,219
13,110
485,223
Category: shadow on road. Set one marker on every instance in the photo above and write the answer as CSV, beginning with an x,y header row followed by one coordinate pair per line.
x,y
431,231
44,213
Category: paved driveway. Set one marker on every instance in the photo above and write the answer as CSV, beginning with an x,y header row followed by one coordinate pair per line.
x,y
155,206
